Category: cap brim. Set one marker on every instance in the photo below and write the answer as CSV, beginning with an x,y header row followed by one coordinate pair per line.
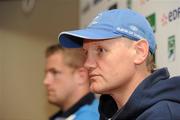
x,y
74,39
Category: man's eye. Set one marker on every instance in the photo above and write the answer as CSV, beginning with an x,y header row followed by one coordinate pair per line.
x,y
85,52
55,72
101,50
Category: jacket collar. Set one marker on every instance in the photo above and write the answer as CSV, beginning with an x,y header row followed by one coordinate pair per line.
x,y
108,107
87,99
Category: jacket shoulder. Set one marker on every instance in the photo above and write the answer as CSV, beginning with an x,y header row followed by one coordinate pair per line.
x,y
88,112
163,110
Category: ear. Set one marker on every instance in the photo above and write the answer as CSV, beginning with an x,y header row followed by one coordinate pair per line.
x,y
82,75
142,50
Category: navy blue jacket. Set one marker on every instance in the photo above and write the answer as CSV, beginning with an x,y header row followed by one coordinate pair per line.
x,y
156,98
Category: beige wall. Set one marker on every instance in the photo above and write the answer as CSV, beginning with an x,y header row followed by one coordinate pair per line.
x,y
22,92
1,72
23,39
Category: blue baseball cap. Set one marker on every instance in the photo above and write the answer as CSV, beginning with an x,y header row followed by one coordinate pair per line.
x,y
111,24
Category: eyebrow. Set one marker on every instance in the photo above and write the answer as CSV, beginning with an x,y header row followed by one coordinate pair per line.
x,y
52,70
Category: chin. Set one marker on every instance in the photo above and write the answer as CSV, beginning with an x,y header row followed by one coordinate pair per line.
x,y
51,100
97,90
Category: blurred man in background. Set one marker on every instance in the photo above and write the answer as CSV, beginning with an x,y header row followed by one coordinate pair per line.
x,y
67,84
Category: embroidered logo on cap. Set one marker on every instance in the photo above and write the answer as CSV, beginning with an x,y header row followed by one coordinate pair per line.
x,y
95,20
133,28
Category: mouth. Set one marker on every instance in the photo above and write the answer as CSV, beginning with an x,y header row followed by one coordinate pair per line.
x,y
49,92
93,77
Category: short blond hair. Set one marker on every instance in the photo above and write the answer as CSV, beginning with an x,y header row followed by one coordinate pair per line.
x,y
150,62
73,57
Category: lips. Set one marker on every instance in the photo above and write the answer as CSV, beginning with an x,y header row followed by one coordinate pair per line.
x,y
50,91
93,76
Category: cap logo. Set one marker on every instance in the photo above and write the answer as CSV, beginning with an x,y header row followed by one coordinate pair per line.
x,y
133,28
126,31
95,20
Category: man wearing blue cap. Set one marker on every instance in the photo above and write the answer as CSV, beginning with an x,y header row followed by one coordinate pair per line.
x,y
119,47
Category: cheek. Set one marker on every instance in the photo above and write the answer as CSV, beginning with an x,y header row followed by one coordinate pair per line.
x,y
60,83
117,67
61,89
124,70
66,82
58,87
109,64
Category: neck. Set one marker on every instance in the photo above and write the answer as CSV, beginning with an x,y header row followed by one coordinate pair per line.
x,y
73,99
122,95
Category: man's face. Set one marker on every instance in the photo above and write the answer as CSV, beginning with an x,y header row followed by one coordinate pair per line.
x,y
59,79
109,63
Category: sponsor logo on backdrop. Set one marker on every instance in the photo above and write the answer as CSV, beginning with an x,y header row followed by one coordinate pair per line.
x,y
129,4
171,16
96,1
142,2
152,20
171,48
164,19
114,6
86,8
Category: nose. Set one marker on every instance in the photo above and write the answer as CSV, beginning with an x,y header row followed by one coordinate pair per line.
x,y
90,62
47,80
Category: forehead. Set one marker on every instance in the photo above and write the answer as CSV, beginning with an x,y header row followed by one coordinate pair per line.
x,y
56,62
104,42
58,55
54,59
88,43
